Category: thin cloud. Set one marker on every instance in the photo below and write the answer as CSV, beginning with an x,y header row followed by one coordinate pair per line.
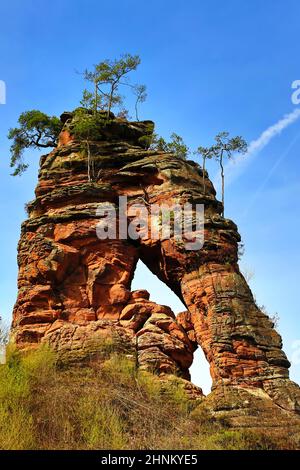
x,y
237,165
269,175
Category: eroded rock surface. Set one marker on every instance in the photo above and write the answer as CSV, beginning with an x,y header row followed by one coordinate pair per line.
x,y
75,289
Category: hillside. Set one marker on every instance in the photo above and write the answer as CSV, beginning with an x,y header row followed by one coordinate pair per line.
x,y
110,405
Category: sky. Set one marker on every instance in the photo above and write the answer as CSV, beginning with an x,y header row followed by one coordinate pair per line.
x,y
209,66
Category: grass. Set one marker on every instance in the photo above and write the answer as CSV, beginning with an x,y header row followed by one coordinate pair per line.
x,y
107,405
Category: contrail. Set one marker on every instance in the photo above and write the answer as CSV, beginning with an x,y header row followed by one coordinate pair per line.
x,y
237,165
269,175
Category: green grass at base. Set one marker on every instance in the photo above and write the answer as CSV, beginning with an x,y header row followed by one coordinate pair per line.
x,y
108,405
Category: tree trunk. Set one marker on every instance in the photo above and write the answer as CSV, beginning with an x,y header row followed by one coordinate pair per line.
x,y
223,182
203,175
93,168
136,110
96,99
89,159
110,101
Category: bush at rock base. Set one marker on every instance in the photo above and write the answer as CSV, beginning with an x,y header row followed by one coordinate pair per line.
x,y
108,405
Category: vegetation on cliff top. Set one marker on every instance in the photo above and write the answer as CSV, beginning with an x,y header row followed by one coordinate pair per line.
x,y
106,78
38,130
105,406
224,147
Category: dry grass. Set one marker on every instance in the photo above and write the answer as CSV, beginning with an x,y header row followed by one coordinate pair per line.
x,y
104,406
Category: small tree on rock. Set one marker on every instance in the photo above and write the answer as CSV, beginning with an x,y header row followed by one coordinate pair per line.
x,y
225,147
176,145
36,130
106,78
86,127
207,153
141,96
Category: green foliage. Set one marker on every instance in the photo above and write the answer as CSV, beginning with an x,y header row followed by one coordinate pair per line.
x,y
120,369
207,153
148,140
100,423
36,130
88,101
87,127
228,146
176,145
17,377
241,440
149,383
107,404
158,143
175,394
106,80
111,71
141,96
224,147
39,365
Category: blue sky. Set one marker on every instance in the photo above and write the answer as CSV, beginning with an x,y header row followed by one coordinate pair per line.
x,y
209,65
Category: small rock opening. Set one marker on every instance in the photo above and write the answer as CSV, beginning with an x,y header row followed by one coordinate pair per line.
x,y
199,370
163,295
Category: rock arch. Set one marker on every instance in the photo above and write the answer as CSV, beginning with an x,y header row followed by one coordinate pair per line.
x,y
74,289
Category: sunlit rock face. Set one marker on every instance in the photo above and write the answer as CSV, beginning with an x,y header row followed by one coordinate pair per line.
x,y
75,289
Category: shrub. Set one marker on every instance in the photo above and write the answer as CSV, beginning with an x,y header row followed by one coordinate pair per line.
x,y
16,428
100,425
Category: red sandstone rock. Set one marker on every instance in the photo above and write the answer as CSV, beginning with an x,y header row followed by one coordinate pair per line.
x,y
74,289
140,294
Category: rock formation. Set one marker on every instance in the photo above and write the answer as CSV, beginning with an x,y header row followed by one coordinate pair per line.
x,y
74,288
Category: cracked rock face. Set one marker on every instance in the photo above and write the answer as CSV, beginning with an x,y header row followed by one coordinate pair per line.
x,y
75,289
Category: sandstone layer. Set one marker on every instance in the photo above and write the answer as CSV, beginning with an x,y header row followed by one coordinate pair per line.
x,y
75,289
